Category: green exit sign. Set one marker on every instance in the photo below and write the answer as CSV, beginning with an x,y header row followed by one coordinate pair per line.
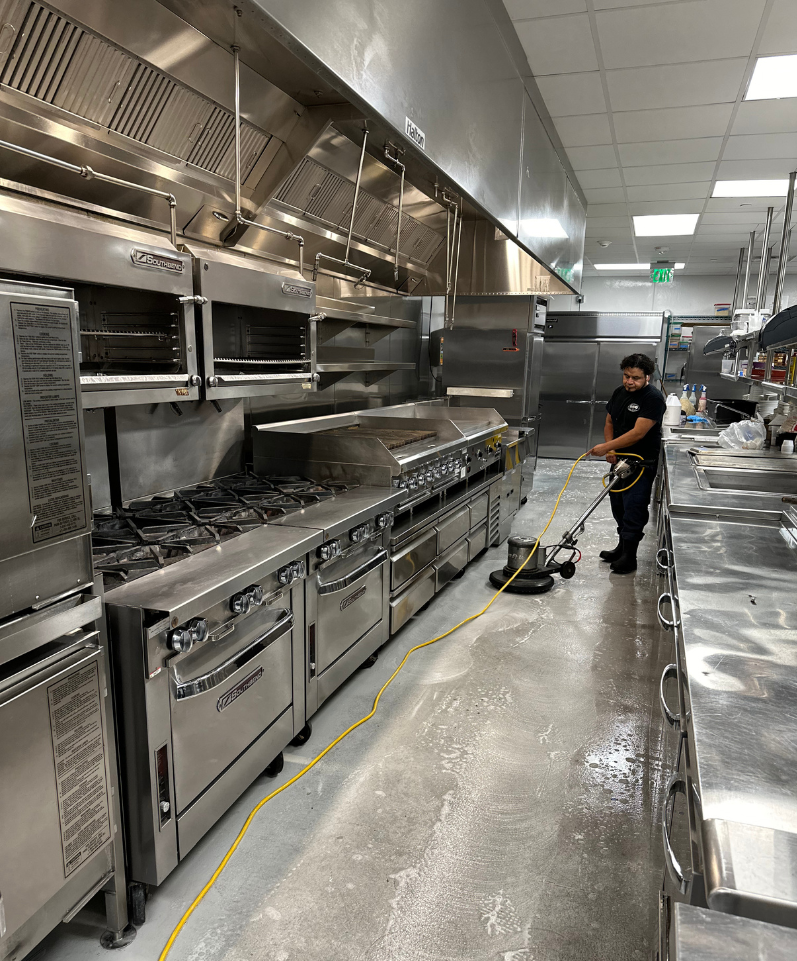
x,y
661,275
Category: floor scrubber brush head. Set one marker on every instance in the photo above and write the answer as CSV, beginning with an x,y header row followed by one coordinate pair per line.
x,y
533,579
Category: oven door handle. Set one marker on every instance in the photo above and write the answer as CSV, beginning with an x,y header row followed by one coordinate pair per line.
x,y
676,785
341,583
206,682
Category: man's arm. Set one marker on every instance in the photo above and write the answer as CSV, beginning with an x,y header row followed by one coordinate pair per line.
x,y
608,434
642,426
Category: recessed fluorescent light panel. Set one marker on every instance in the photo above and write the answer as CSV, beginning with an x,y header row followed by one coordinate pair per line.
x,y
751,188
665,225
631,266
543,227
773,78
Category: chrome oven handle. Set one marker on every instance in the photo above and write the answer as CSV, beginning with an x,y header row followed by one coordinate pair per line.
x,y
667,624
664,565
676,785
206,682
341,583
670,671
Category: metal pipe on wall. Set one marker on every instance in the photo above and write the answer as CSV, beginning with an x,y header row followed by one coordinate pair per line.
x,y
239,217
759,301
784,245
88,173
735,302
750,246
396,162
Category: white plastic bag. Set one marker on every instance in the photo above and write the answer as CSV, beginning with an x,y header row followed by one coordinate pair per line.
x,y
744,435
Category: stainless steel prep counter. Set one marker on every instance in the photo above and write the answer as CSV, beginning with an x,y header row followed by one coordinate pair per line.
x,y
731,562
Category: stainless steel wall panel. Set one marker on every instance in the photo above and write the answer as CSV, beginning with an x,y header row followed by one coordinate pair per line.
x,y
160,451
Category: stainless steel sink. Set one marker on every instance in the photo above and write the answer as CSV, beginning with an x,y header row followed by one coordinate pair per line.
x,y
753,472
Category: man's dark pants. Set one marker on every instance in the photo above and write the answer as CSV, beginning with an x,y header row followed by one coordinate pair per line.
x,y
630,508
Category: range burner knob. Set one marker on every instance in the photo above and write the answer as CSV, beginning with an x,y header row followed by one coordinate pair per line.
x,y
256,594
329,550
182,639
360,533
429,475
384,520
413,483
291,572
241,603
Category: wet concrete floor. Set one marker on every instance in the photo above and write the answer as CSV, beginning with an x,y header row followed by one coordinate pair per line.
x,y
503,803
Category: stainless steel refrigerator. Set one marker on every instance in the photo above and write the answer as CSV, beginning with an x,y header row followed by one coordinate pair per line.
x,y
581,369
493,358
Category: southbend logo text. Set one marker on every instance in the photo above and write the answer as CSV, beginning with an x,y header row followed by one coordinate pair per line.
x,y
295,290
241,688
145,258
348,601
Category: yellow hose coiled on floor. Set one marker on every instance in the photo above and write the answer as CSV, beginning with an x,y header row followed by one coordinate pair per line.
x,y
214,877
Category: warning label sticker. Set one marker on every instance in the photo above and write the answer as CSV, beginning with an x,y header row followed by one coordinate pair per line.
x,y
79,755
48,395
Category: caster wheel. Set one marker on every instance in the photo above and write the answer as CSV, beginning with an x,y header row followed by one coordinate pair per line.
x,y
137,903
568,569
110,941
368,662
303,736
276,766
459,574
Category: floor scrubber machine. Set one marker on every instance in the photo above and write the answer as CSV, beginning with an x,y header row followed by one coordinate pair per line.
x,y
537,576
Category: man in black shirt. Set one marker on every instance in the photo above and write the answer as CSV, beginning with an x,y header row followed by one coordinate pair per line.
x,y
633,425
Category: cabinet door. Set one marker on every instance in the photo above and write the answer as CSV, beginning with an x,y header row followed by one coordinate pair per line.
x,y
566,394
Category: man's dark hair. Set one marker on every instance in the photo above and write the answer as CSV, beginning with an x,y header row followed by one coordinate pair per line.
x,y
642,361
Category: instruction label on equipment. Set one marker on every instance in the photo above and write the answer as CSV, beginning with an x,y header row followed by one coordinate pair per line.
x,y
48,396
79,755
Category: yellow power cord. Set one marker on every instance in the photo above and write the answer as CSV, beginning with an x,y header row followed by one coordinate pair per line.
x,y
641,472
214,877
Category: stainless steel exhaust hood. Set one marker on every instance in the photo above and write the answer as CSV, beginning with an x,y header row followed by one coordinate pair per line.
x,y
136,92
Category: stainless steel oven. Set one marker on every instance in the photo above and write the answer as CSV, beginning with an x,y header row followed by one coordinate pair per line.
x,y
135,296
347,591
60,825
208,663
257,335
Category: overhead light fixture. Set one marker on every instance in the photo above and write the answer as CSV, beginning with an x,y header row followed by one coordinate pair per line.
x,y
773,78
543,227
678,266
665,225
751,188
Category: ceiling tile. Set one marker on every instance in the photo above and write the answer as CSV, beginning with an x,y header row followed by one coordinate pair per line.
x,y
761,146
592,158
609,4
766,116
678,85
668,173
610,233
608,215
638,36
736,217
558,44
607,177
780,33
687,191
740,231
673,123
605,195
670,151
767,169
527,9
569,94
666,207
585,130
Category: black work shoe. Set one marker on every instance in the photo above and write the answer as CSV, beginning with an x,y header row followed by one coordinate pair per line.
x,y
612,556
626,562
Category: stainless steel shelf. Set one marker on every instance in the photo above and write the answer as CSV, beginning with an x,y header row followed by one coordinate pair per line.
x,y
365,365
354,316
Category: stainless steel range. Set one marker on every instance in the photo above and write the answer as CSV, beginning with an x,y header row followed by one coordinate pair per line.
x,y
447,463
347,592
214,670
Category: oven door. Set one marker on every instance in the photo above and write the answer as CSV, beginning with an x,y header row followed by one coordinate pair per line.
x,y
350,602
224,695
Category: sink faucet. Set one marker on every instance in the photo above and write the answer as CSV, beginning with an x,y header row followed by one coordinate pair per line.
x,y
735,411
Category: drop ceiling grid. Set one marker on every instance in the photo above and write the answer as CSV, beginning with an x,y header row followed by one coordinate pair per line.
x,y
647,98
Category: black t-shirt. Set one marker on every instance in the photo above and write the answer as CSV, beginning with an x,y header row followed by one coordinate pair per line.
x,y
625,407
